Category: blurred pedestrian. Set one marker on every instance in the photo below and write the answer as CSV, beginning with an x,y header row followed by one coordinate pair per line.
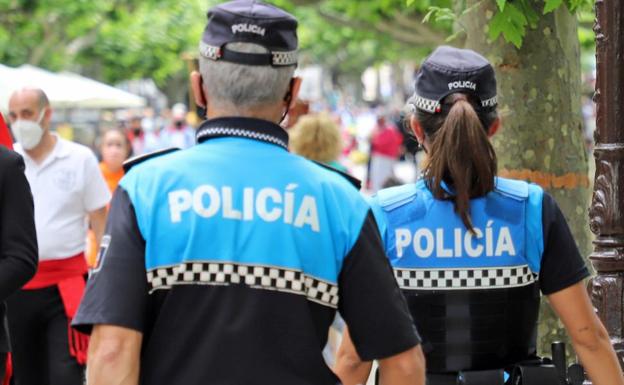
x,y
179,133
317,137
136,135
385,151
226,262
68,191
115,148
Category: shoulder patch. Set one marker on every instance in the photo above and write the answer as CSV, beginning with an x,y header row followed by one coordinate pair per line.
x,y
512,188
128,164
394,197
353,180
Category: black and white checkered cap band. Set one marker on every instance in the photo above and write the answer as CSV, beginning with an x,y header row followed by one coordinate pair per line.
x,y
425,104
207,132
255,276
278,58
431,106
462,279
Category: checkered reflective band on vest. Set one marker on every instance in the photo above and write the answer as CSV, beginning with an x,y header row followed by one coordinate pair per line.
x,y
261,277
208,226
474,296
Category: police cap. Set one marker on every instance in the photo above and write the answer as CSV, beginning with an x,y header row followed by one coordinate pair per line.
x,y
250,21
449,70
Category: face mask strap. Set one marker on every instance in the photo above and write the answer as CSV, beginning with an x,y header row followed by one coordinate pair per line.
x,y
41,115
288,100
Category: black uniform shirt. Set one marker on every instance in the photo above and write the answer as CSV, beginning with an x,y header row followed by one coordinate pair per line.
x,y
217,315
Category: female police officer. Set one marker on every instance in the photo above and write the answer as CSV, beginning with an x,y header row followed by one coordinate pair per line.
x,y
472,251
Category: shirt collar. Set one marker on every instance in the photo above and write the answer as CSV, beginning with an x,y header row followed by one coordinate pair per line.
x,y
59,151
60,148
257,129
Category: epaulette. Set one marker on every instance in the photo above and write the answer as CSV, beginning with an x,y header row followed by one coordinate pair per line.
x,y
393,197
353,180
512,188
128,164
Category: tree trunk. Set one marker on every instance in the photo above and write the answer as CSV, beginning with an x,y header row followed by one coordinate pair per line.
x,y
541,140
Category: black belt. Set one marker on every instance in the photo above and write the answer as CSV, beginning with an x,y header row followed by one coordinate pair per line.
x,y
522,374
441,379
473,377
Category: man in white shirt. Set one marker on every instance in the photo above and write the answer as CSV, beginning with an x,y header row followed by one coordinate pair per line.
x,y
69,192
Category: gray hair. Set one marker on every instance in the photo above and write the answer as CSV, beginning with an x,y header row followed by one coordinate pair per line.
x,y
239,86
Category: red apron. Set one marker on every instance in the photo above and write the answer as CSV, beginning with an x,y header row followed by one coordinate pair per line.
x,y
68,275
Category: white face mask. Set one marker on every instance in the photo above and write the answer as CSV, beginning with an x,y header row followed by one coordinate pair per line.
x,y
27,132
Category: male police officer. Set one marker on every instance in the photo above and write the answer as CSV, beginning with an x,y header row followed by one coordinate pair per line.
x,y
225,263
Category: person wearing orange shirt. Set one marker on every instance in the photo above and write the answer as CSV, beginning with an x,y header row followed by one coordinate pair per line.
x,y
115,149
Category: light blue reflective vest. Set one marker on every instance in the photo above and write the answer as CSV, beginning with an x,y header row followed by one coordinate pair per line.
x,y
421,232
269,219
473,297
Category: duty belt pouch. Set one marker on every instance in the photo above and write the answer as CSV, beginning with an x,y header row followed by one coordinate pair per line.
x,y
534,375
481,377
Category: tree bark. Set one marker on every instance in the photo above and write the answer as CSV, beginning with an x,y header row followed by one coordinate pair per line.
x,y
541,140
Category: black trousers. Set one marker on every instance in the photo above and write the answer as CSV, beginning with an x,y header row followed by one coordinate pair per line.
x,y
39,340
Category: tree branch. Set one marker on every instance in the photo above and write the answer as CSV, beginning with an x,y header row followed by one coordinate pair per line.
x,y
50,34
414,23
415,36
82,42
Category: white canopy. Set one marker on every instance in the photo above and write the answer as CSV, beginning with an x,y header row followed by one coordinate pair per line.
x,y
65,90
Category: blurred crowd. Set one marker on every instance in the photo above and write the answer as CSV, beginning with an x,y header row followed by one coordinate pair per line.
x,y
149,132
370,143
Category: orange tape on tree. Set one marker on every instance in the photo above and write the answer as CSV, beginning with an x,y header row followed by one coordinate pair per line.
x,y
570,180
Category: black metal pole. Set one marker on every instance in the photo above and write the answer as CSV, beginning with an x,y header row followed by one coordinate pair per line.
x,y
607,209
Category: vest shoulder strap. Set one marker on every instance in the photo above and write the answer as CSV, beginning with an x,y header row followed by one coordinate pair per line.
x,y
512,188
391,198
128,164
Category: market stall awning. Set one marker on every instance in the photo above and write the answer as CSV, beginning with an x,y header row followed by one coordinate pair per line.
x,y
65,90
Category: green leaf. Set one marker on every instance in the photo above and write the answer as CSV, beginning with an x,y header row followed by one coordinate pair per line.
x,y
428,15
575,5
501,4
439,14
511,23
514,35
496,26
410,2
516,16
445,17
551,5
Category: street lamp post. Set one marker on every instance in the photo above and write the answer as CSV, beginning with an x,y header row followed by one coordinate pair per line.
x,y
607,209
